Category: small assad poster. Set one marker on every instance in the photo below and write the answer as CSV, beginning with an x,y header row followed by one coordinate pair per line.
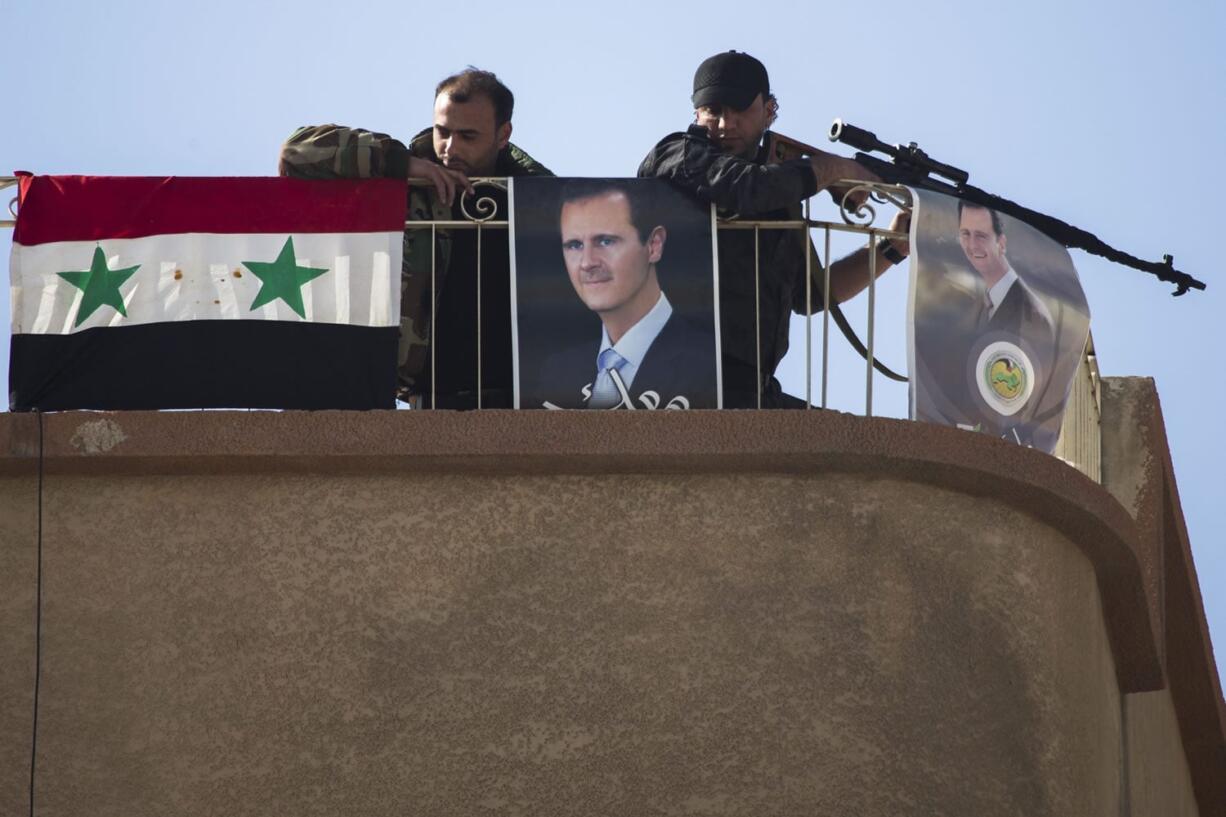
x,y
998,322
614,302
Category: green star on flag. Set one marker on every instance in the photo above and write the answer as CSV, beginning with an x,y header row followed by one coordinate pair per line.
x,y
283,279
99,285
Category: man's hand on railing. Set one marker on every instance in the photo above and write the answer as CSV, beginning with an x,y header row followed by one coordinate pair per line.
x,y
850,274
446,181
901,223
830,169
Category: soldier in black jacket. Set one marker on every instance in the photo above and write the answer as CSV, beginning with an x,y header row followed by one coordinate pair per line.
x,y
721,159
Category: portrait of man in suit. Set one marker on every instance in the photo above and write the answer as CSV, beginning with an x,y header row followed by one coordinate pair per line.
x,y
1009,304
636,329
612,245
998,322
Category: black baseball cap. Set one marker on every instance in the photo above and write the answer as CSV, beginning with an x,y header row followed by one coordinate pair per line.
x,y
731,78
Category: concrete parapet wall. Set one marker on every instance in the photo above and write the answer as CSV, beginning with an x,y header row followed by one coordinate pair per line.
x,y
1137,471
539,613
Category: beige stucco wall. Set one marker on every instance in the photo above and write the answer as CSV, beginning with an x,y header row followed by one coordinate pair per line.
x,y
824,641
1159,784
18,564
1174,736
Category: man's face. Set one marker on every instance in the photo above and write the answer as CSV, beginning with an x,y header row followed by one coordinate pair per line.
x,y
466,136
611,270
983,247
735,131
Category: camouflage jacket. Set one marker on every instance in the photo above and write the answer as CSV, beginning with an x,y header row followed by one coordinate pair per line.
x,y
336,152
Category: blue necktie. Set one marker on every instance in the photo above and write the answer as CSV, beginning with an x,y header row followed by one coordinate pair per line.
x,y
604,392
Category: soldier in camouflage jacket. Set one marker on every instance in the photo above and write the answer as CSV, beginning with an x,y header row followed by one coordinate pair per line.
x,y
332,152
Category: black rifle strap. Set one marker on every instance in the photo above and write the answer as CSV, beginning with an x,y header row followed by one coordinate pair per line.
x,y
1054,228
841,320
1071,236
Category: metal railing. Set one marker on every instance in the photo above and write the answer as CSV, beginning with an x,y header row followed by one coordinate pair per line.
x,y
1079,439
1080,442
485,218
857,219
480,213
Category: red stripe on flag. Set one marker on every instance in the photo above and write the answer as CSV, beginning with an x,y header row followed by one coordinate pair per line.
x,y
91,208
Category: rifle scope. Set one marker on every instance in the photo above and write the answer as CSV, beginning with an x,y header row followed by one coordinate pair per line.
x,y
910,157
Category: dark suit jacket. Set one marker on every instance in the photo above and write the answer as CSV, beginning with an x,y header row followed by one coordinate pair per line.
x,y
680,362
947,369
1020,314
1021,319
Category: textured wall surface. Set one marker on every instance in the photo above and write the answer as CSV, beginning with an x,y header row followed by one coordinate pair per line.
x,y
1137,471
1159,784
845,633
18,578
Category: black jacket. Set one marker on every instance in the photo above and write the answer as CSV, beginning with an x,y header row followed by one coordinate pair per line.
x,y
750,190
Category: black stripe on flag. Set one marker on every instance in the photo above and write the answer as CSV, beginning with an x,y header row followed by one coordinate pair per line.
x,y
206,364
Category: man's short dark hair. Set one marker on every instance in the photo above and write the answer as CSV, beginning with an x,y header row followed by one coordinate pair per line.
x,y
643,212
463,86
997,227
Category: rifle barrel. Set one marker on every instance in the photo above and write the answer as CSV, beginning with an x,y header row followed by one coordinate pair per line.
x,y
912,166
859,138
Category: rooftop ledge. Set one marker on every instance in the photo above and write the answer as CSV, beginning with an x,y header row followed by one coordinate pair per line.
x,y
1130,528
542,442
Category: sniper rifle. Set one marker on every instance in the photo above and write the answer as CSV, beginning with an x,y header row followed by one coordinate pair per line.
x,y
911,166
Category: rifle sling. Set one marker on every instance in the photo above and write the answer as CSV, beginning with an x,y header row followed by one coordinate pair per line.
x,y
841,320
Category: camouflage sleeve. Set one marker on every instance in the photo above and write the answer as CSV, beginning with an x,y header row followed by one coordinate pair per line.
x,y
336,152
525,165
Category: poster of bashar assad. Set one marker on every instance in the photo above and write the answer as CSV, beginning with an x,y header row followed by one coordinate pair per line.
x,y
613,296
998,322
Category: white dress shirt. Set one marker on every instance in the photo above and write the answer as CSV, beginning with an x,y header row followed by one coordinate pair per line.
x,y
996,295
634,344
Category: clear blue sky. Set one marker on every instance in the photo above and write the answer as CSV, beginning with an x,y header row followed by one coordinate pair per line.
x,y
1106,114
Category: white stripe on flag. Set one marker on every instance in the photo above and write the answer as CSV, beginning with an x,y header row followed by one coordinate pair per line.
x,y
340,282
17,315
384,291
226,303
44,309
169,291
191,276
136,285
308,303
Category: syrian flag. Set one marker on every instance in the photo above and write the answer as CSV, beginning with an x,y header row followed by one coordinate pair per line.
x,y
155,293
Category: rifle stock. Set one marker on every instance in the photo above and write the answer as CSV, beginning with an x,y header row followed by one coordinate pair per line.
x,y
780,148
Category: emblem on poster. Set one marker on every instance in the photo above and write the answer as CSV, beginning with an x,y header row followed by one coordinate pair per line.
x,y
1006,377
